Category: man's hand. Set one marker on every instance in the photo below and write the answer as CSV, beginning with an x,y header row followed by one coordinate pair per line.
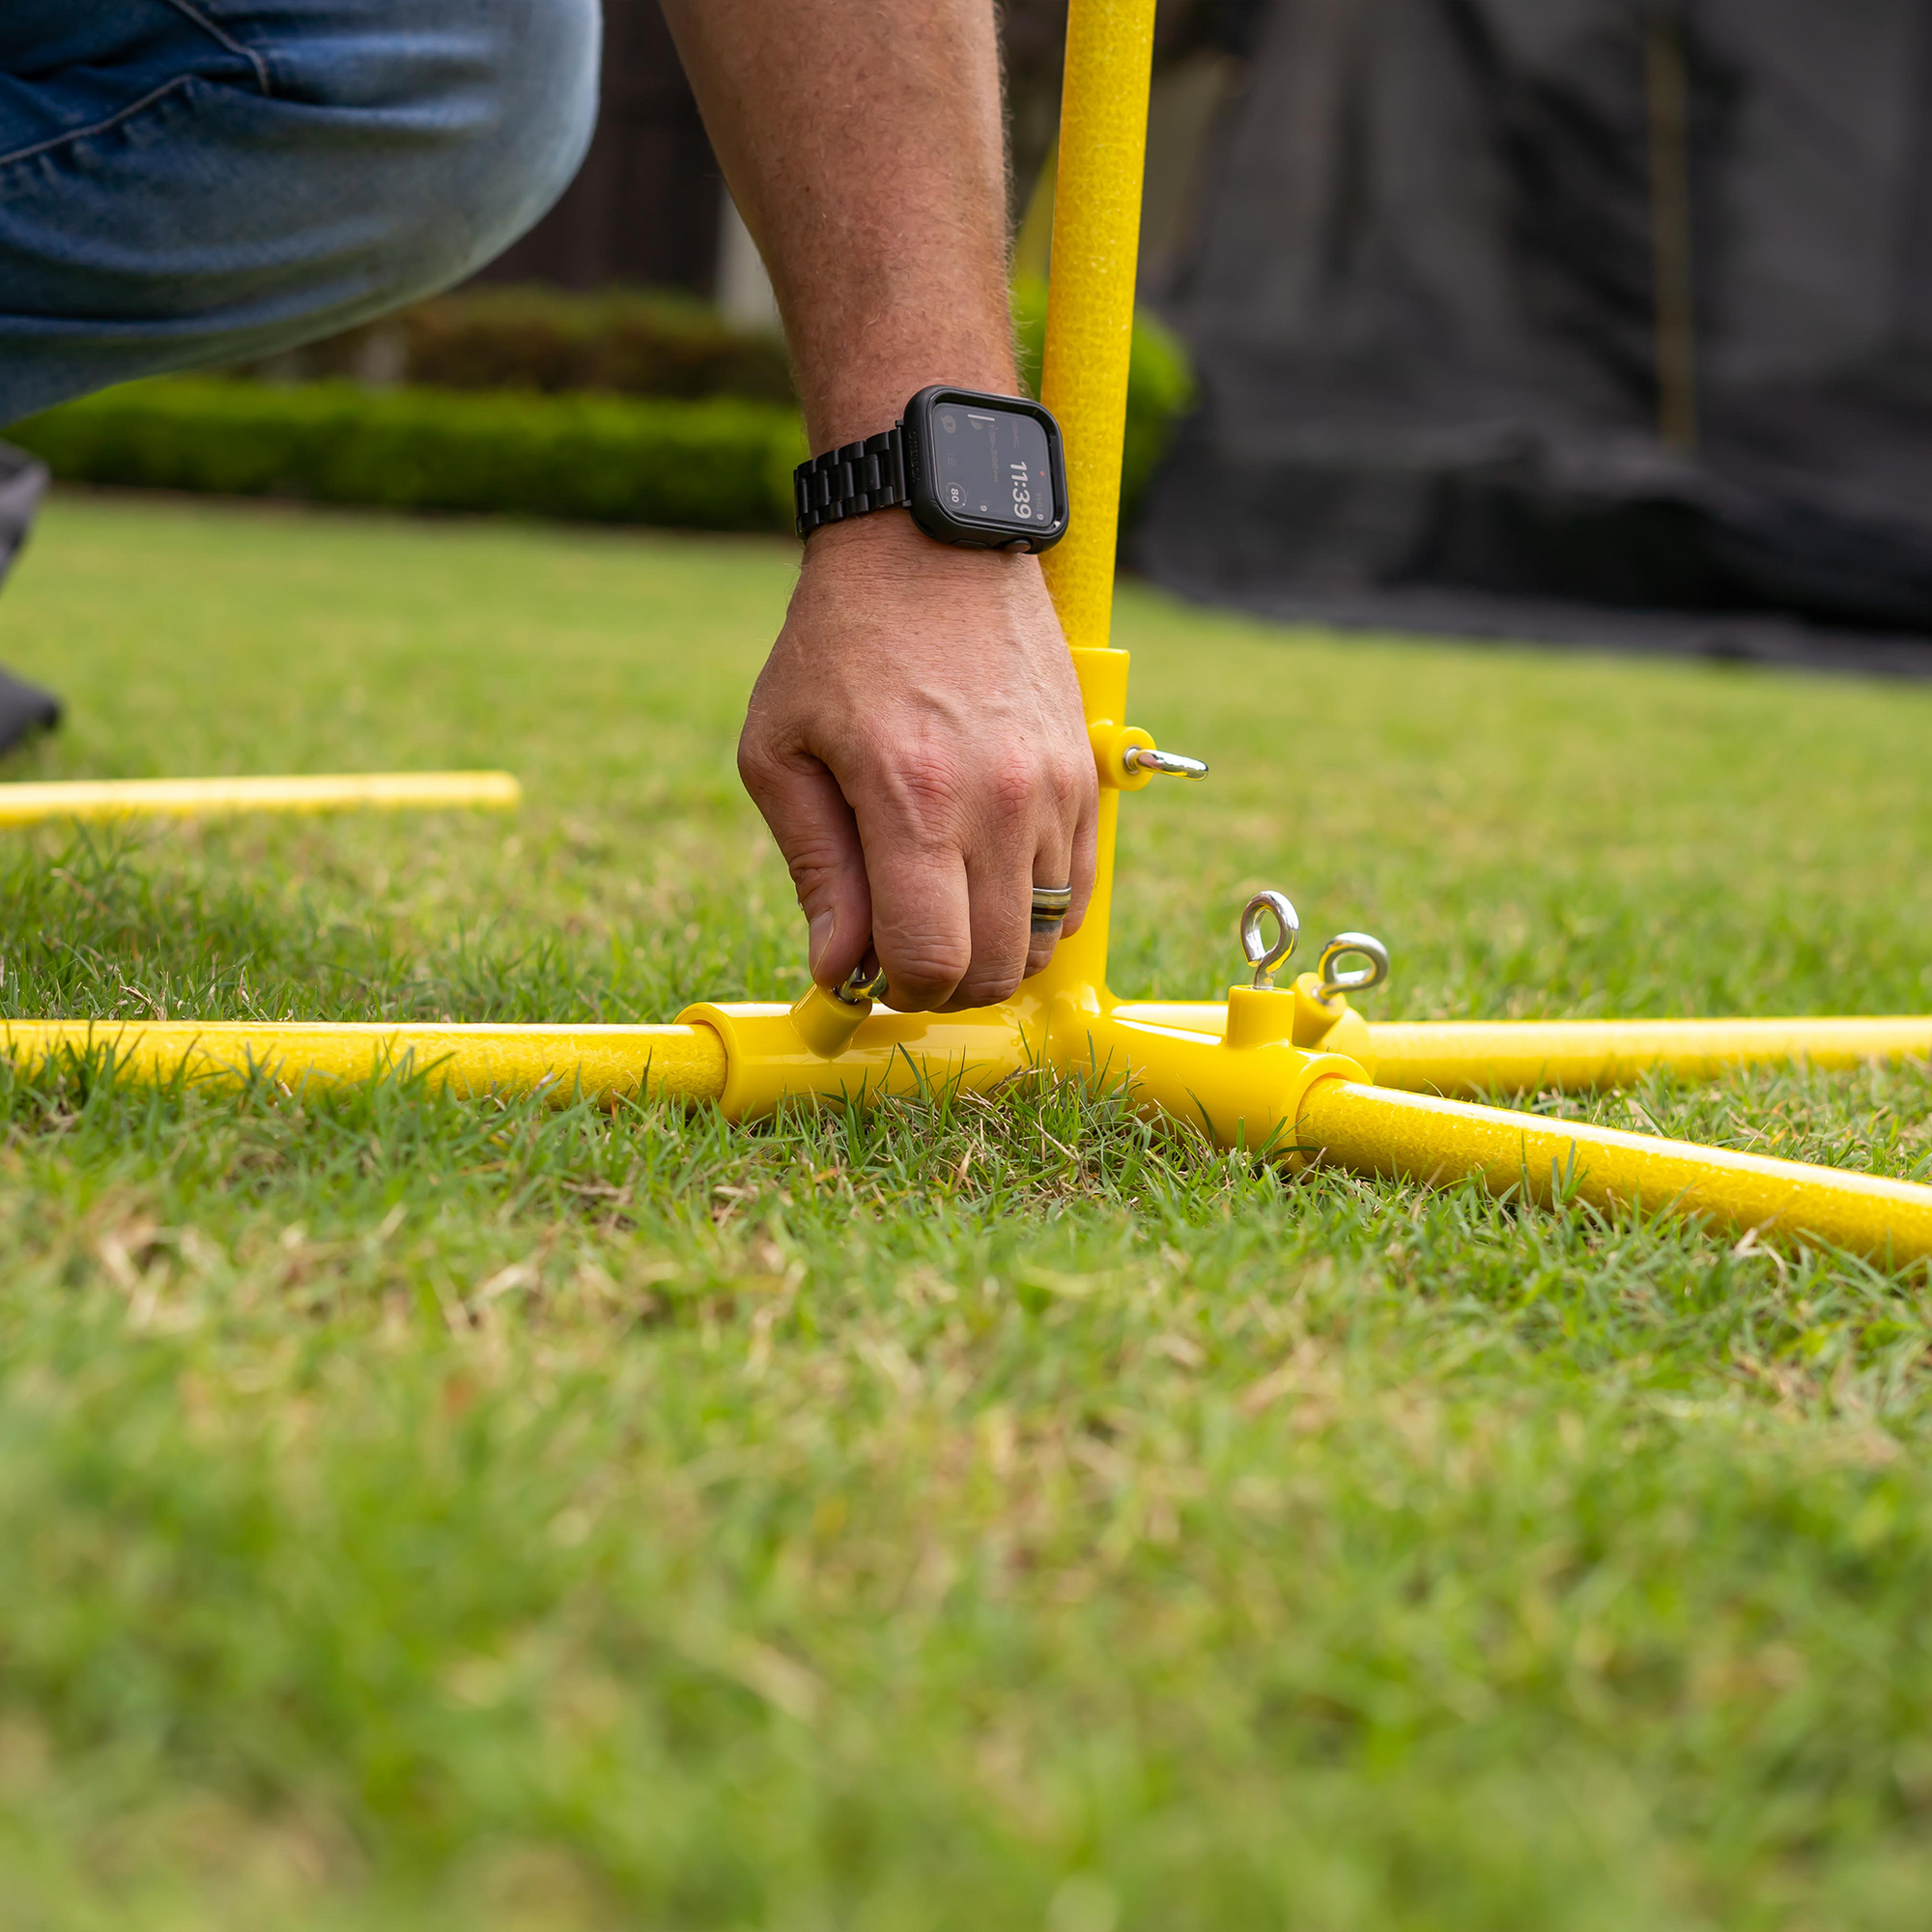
x,y
916,742
917,746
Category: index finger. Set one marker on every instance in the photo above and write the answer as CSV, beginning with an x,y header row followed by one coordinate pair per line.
x,y
921,926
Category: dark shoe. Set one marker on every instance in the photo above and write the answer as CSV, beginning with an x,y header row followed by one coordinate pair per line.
x,y
24,708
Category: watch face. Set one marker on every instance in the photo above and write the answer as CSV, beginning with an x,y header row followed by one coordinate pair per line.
x,y
991,464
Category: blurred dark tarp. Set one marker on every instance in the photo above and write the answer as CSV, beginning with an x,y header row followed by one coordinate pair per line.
x,y
1584,302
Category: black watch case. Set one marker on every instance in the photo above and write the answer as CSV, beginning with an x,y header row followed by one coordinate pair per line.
x,y
983,471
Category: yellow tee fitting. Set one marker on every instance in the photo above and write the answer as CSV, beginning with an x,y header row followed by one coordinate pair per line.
x,y
773,1054
825,1022
1331,1024
1111,744
1245,1089
1259,1017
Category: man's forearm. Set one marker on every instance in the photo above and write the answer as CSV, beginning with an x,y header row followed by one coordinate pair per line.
x,y
863,142
915,741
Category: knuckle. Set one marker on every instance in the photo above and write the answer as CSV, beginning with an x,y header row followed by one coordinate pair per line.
x,y
928,781
760,765
929,968
1071,782
989,986
814,871
916,790
1010,785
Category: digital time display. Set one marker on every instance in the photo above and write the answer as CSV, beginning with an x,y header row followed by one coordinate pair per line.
x,y
991,464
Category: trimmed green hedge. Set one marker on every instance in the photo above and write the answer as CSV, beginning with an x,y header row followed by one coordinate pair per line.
x,y
631,342
720,465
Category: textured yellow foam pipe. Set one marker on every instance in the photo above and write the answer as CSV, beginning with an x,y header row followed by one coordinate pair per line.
x,y
1090,317
1468,1057
1418,1137
1090,332
200,798
670,1063
1583,1056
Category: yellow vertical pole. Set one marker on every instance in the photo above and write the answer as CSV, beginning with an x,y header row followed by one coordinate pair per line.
x,y
1089,316
1090,321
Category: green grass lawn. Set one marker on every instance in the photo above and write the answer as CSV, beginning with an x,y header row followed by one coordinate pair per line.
x,y
424,1513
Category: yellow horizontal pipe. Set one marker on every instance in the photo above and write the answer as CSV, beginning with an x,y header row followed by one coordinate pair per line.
x,y
1419,1137
671,1063
1238,1095
1470,1057
200,798
1579,1056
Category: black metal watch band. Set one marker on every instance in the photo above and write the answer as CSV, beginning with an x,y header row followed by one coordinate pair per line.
x,y
851,480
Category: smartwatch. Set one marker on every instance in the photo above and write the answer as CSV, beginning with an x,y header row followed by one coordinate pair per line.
x,y
984,471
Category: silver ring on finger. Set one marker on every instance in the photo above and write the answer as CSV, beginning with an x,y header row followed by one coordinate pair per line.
x,y
1050,906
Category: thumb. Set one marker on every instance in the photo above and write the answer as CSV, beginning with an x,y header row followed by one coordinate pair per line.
x,y
819,837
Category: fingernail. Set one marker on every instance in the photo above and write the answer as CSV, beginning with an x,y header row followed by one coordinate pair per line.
x,y
818,937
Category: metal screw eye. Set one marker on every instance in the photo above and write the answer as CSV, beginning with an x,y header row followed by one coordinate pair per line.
x,y
1266,958
1364,945
1145,759
863,984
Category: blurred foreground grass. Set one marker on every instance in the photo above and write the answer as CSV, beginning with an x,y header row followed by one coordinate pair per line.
x,y
413,1512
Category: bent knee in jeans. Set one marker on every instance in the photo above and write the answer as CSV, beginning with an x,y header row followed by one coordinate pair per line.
x,y
189,181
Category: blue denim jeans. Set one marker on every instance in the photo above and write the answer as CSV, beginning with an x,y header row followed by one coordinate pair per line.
x,y
190,181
